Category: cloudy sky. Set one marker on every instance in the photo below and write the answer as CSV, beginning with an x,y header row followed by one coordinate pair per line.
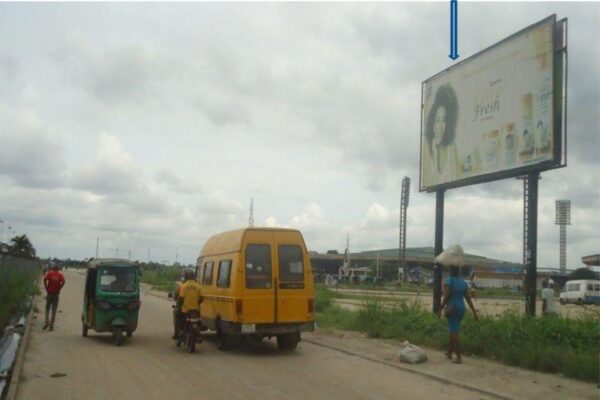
x,y
151,126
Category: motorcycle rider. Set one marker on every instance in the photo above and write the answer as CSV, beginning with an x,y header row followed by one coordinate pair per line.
x,y
176,312
189,297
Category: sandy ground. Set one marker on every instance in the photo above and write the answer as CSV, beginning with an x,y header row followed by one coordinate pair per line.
x,y
487,306
149,366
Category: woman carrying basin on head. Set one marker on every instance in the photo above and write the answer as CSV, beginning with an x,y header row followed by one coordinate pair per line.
x,y
455,293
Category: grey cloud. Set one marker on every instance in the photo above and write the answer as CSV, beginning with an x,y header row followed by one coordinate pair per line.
x,y
173,182
32,159
8,67
119,73
113,73
105,178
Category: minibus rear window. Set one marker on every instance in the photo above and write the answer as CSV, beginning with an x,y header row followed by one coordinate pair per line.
x,y
207,276
291,267
258,266
224,273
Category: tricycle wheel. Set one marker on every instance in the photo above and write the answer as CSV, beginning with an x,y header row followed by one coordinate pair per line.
x,y
129,333
118,336
84,330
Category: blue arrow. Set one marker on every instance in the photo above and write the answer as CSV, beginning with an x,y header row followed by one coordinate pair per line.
x,y
453,30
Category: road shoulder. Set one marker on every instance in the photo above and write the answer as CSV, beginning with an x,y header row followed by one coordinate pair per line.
x,y
478,374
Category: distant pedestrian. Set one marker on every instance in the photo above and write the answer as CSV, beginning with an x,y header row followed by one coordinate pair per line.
x,y
53,282
548,304
455,292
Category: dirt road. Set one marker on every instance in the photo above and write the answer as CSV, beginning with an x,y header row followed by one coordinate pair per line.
x,y
149,366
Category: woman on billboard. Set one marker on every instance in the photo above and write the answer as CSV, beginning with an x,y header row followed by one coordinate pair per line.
x,y
440,159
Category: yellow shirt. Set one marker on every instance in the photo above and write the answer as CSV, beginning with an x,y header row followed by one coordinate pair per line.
x,y
190,293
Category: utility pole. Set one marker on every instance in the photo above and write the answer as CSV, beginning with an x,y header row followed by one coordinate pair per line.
x,y
377,273
148,260
97,246
439,245
176,254
2,231
251,217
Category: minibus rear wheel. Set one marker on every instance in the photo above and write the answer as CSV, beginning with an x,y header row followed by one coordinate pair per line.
x,y
222,339
288,342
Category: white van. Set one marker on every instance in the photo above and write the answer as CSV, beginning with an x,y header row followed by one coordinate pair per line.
x,y
586,291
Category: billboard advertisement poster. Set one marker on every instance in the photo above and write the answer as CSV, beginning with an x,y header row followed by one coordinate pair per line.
x,y
492,113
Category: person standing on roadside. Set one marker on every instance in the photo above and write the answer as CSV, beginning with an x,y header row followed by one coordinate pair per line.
x,y
548,304
53,282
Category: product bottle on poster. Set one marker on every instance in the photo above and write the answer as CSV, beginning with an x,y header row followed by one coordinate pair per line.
x,y
542,113
509,145
527,138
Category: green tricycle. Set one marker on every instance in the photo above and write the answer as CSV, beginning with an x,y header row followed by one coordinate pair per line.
x,y
111,301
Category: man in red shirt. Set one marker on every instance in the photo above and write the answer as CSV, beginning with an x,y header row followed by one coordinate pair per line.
x,y
53,282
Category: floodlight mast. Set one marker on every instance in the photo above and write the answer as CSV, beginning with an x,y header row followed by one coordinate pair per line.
x,y
402,245
563,218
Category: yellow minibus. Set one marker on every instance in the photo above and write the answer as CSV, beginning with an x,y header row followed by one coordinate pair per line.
x,y
257,283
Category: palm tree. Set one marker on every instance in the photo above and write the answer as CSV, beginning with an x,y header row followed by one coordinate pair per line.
x,y
21,246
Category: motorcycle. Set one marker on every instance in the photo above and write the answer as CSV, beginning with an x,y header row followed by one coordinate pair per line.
x,y
190,334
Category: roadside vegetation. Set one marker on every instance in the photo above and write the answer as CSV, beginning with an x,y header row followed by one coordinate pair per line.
x,y
550,344
163,278
19,276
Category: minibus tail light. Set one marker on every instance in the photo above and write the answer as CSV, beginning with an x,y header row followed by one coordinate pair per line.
x,y
239,308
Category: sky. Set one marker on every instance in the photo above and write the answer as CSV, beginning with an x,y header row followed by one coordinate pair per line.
x,y
151,126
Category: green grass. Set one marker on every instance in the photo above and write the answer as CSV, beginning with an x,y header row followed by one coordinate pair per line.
x,y
13,293
163,279
553,344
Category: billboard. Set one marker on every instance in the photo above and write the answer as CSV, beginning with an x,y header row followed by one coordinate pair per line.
x,y
494,115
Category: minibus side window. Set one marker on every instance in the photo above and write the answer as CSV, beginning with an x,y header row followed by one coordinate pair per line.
x,y
207,277
596,287
291,268
258,266
224,273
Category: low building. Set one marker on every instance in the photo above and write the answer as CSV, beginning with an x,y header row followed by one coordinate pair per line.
x,y
489,272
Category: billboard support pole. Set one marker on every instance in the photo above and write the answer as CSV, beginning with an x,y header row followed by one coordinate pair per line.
x,y
439,245
531,254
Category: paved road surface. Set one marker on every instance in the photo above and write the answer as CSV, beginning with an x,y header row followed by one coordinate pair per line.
x,y
149,366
